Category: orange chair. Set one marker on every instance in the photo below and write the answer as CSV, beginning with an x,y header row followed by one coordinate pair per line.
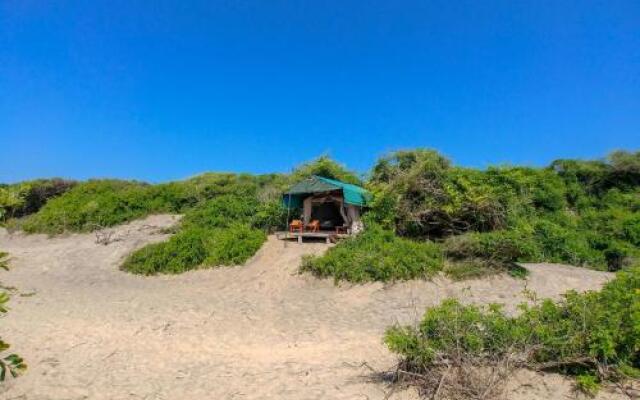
x,y
314,226
296,225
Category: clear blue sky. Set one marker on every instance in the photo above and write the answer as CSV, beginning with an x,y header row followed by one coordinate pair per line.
x,y
159,90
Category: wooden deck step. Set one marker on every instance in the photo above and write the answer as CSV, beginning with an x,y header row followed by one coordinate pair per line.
x,y
328,236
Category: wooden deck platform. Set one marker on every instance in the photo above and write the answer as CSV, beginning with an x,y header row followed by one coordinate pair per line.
x,y
329,236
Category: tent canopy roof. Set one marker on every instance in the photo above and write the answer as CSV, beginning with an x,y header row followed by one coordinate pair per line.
x,y
352,194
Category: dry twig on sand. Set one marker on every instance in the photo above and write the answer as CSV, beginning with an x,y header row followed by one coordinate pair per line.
x,y
105,237
458,379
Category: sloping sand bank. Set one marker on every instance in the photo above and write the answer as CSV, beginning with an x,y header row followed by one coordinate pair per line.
x,y
90,331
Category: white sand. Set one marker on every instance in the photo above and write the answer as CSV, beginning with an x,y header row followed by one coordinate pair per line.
x,y
257,331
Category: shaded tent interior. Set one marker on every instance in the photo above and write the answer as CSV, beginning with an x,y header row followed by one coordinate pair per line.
x,y
333,203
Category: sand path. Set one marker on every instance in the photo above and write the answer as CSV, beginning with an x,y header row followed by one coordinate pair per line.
x,y
90,331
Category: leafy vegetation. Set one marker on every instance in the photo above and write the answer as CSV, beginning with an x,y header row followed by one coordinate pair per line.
x,y
28,197
101,203
225,230
194,247
496,250
228,222
226,217
377,255
184,251
326,167
91,205
223,211
578,212
233,245
584,213
593,335
12,363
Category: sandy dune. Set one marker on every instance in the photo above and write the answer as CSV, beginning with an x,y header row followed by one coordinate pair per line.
x,y
89,331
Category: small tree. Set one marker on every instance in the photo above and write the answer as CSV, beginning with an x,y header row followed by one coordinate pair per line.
x,y
326,167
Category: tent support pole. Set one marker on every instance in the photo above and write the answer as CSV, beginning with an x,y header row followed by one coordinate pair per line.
x,y
286,223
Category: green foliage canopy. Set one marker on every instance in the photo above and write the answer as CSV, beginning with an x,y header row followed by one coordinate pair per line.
x,y
577,212
377,255
28,197
325,167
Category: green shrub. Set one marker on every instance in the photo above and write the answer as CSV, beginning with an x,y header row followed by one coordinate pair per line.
x,y
233,245
625,168
102,203
584,213
424,196
578,212
574,212
631,229
620,170
592,333
174,197
196,247
25,198
270,216
566,245
215,232
326,167
91,205
499,247
376,255
474,255
470,269
182,252
452,330
588,384
226,217
628,371
222,211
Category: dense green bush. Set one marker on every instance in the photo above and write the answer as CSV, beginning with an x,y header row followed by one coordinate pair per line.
x,y
596,333
499,247
326,167
473,254
565,244
584,213
182,252
377,255
545,241
222,211
578,212
419,194
233,245
28,197
195,247
226,217
226,210
91,205
270,216
219,231
102,203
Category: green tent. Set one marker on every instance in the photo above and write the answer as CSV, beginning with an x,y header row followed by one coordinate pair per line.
x,y
352,194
